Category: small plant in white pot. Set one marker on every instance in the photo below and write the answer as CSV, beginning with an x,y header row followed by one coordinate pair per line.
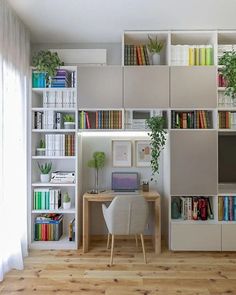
x,y
155,47
45,170
69,122
66,201
40,151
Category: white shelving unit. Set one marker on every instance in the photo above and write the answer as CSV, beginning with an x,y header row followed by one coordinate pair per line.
x,y
59,163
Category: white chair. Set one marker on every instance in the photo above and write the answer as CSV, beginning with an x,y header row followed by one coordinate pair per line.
x,y
126,215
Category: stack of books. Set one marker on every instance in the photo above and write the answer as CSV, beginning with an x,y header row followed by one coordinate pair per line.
x,y
48,227
59,99
72,230
63,78
227,120
60,145
47,199
192,119
136,55
227,208
63,177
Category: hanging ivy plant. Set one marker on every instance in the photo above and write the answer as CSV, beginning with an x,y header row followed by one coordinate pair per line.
x,y
228,71
157,136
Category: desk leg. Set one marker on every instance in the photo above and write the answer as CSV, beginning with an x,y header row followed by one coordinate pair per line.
x,y
85,225
157,227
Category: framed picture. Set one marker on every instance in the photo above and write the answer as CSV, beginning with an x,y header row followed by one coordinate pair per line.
x,y
143,153
121,153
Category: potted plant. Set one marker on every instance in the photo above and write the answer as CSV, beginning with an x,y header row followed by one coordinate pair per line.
x,y
228,71
155,47
47,62
97,162
45,170
66,201
69,121
157,136
40,151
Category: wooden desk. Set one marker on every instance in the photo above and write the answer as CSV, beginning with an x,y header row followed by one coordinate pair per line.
x,y
152,196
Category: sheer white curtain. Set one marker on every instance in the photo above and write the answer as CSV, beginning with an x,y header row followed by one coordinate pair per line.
x,y
14,67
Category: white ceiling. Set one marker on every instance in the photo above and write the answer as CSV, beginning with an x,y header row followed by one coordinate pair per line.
x,y
75,21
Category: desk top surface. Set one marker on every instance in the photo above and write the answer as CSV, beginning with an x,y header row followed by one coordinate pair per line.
x,y
109,195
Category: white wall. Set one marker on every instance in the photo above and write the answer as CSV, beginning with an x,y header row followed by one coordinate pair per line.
x,y
104,143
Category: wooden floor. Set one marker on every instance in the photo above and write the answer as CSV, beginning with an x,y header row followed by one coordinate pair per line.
x,y
72,272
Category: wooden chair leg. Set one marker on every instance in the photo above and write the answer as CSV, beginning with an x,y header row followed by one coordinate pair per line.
x,y
144,253
108,240
112,248
136,240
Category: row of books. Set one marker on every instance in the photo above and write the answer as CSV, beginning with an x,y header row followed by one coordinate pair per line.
x,y
221,80
72,230
195,208
192,55
63,78
227,208
136,55
48,227
227,120
59,145
191,119
225,100
63,177
47,199
100,120
59,99
48,119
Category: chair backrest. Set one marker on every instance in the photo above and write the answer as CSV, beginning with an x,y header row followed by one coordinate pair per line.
x,y
127,214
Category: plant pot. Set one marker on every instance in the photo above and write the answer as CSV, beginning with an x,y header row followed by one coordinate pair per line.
x,y
40,151
67,205
44,178
156,59
69,125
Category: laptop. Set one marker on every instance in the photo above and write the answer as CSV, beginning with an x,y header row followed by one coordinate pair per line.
x,y
125,182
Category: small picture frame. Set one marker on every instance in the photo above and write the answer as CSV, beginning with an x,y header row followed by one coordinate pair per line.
x,y
143,153
121,153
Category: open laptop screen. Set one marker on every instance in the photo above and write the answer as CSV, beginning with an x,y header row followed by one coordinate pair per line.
x,y
124,181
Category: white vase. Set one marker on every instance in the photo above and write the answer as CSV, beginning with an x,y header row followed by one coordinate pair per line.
x,y
69,125
67,205
156,59
44,178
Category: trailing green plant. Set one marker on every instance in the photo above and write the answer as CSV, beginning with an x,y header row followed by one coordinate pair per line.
x,y
68,118
46,168
42,144
47,61
154,46
157,136
228,71
66,198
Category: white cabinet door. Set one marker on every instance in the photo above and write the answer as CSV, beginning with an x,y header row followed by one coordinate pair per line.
x,y
228,237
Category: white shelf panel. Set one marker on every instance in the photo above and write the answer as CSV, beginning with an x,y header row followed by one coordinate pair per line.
x,y
53,130
60,211
227,189
49,184
41,90
97,130
221,88
181,221
63,243
56,157
227,222
227,130
226,108
192,129
54,109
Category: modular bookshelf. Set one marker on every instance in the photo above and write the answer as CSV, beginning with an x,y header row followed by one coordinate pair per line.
x,y
48,107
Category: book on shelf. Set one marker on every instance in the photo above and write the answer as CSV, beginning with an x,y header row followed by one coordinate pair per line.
x,y
59,145
195,208
59,99
47,199
136,55
72,230
227,208
38,79
227,120
191,119
48,227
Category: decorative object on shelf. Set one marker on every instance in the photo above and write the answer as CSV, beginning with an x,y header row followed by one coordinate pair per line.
x,y
40,151
45,170
145,186
143,153
69,122
47,62
97,162
121,153
66,201
157,140
228,71
175,208
155,47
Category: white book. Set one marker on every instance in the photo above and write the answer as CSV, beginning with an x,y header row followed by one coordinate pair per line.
x,y
45,99
51,201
